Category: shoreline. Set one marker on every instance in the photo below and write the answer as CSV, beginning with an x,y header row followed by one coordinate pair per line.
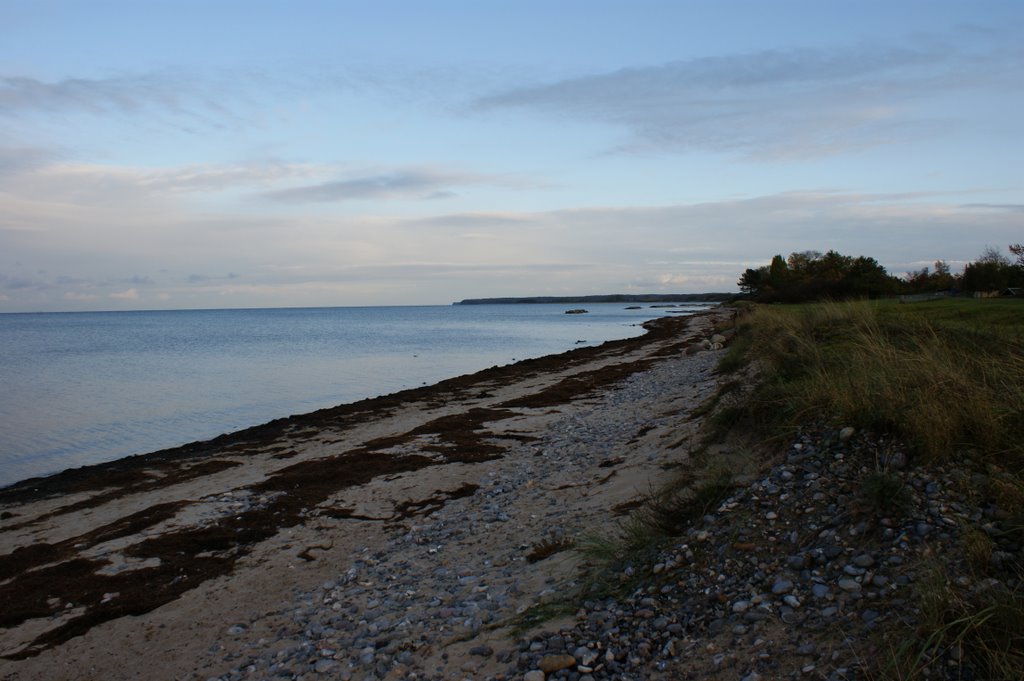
x,y
207,434
80,477
145,551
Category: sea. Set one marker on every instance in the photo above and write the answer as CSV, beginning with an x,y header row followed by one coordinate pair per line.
x,y
80,388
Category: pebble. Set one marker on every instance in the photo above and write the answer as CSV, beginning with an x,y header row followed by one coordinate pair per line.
x,y
549,664
814,568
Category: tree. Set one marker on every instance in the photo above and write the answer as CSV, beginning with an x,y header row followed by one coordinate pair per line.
x,y
918,281
752,280
1018,251
778,270
811,275
926,281
943,278
993,271
800,264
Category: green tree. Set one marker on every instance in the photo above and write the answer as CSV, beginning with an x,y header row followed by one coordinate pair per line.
x,y
943,278
752,281
992,271
811,275
778,270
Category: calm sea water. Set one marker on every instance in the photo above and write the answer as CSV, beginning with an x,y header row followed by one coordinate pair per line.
x,y
80,388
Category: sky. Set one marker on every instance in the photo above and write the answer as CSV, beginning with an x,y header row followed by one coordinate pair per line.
x,y
170,155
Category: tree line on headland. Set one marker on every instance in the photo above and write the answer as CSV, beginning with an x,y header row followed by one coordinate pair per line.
x,y
811,275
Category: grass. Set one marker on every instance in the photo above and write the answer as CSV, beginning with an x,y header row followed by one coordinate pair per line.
x,y
947,379
942,376
540,613
617,559
884,491
546,548
982,630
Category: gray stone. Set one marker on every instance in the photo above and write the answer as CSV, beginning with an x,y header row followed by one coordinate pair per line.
x,y
782,586
324,666
864,561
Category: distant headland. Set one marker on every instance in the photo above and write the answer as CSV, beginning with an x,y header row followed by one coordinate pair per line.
x,y
614,298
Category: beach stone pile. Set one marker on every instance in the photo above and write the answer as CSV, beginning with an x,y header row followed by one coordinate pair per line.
x,y
795,575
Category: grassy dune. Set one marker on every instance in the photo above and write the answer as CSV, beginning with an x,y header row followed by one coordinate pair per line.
x,y
945,376
947,379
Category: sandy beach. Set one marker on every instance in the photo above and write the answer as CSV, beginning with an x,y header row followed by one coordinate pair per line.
x,y
408,521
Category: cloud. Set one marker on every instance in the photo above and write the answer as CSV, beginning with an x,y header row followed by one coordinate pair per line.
x,y
126,93
208,178
130,294
1008,207
771,104
416,184
179,94
14,160
80,297
381,259
39,198
22,283
473,220
202,278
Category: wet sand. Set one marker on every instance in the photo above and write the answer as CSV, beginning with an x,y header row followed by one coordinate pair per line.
x,y
137,568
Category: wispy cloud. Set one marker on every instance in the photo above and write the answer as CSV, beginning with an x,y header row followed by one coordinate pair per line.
x,y
772,104
203,278
23,283
14,160
414,184
175,93
1008,207
79,297
20,94
129,294
472,220
204,178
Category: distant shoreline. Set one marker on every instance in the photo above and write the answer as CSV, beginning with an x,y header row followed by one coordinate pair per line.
x,y
613,298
